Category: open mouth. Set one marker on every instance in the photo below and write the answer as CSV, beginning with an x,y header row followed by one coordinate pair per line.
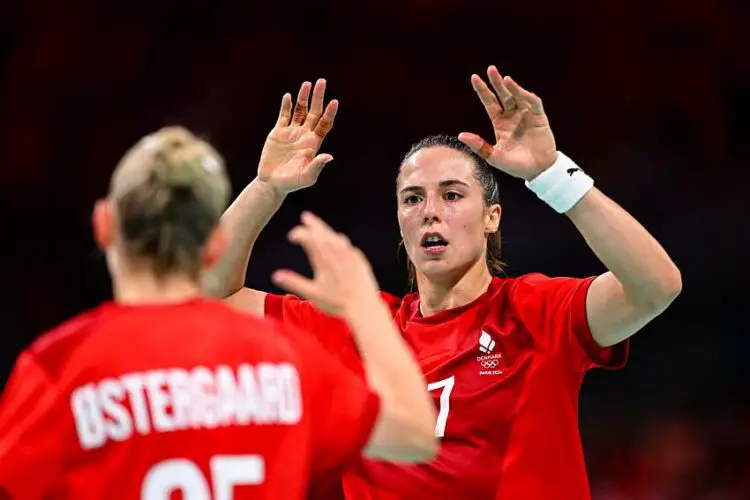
x,y
433,241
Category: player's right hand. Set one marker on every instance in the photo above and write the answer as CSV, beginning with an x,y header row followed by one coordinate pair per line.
x,y
288,161
343,279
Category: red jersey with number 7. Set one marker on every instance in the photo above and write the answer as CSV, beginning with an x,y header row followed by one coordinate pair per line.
x,y
191,398
505,373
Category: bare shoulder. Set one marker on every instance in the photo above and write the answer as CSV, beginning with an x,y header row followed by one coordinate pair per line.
x,y
248,300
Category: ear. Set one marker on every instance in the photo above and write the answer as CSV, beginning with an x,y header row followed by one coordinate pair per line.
x,y
103,223
492,219
215,246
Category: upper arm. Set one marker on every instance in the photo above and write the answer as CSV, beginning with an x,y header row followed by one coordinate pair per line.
x,y
612,316
248,300
32,431
555,310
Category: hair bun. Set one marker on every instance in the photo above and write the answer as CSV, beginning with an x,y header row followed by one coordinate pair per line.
x,y
177,173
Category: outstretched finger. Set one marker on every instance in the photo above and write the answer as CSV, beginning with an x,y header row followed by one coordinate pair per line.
x,y
331,248
328,241
315,223
317,164
300,109
295,283
321,244
477,144
286,110
316,108
491,105
311,244
506,97
323,234
325,124
523,95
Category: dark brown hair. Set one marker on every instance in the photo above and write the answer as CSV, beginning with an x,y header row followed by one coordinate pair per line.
x,y
486,176
170,191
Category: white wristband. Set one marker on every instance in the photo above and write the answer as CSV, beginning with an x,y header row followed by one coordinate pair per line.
x,y
562,185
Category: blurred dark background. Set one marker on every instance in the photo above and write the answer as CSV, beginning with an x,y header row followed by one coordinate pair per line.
x,y
650,97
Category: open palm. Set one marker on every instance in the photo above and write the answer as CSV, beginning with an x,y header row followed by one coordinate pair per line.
x,y
290,159
524,144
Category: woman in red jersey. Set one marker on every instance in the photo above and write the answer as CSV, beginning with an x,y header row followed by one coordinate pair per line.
x,y
504,358
164,392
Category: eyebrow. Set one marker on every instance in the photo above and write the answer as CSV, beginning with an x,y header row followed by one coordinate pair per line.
x,y
443,184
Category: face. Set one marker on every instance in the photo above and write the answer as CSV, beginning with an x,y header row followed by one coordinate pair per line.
x,y
441,213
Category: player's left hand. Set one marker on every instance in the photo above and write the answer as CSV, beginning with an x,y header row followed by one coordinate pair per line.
x,y
342,276
524,144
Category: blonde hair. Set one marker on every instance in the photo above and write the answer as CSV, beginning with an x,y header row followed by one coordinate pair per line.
x,y
169,190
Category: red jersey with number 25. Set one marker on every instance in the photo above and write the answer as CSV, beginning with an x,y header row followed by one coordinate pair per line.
x,y
505,373
190,399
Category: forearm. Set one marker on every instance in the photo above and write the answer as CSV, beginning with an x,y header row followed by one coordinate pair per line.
x,y
390,367
384,352
244,220
626,248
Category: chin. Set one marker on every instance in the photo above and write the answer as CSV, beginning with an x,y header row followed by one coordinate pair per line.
x,y
445,271
439,270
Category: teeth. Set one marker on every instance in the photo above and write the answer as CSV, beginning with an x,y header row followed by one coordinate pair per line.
x,y
433,240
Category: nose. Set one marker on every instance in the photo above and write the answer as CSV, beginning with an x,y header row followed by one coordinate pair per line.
x,y
432,209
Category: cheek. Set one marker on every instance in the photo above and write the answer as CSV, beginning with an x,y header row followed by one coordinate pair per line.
x,y
467,228
464,220
406,225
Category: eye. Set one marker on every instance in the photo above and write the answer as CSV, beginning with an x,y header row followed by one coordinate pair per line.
x,y
452,196
411,199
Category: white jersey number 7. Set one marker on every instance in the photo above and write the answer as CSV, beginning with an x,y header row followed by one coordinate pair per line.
x,y
445,402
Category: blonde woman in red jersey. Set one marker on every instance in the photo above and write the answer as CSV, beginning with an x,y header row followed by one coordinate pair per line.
x,y
163,392
504,358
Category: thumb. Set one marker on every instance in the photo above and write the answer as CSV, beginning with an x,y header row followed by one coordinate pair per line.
x,y
317,164
477,144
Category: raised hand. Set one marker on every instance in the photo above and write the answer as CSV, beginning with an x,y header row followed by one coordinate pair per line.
x,y
524,144
290,159
342,276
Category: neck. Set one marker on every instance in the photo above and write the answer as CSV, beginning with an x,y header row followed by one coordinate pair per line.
x,y
140,288
440,295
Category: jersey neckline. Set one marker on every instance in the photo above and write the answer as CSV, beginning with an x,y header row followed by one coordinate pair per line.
x,y
410,307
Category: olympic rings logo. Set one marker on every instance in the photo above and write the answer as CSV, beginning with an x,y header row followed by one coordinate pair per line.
x,y
489,363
